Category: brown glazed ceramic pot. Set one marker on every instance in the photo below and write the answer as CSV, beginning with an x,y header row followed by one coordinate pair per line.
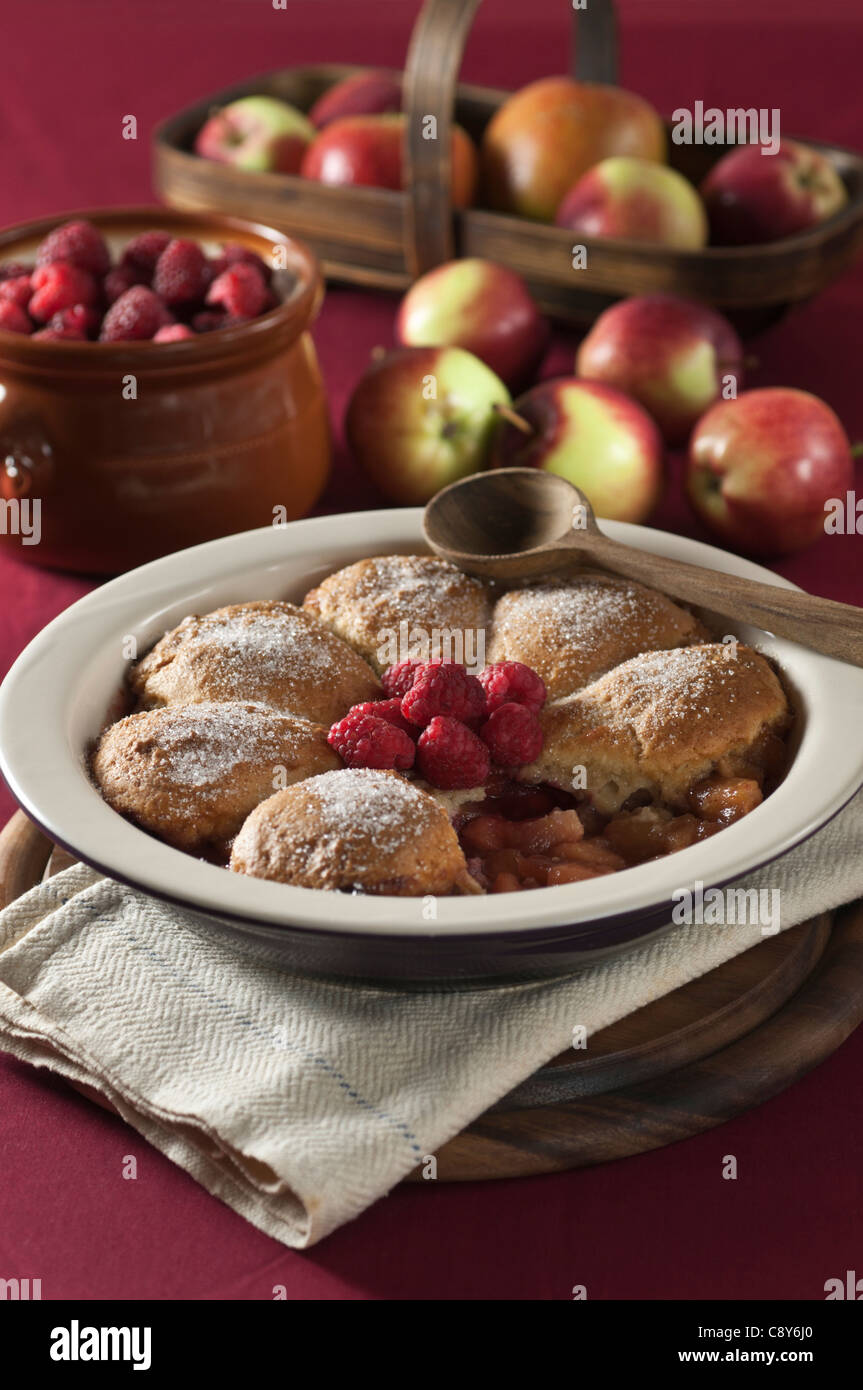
x,y
133,450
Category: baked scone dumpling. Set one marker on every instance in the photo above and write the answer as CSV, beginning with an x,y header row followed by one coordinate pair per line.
x,y
571,631
367,603
270,652
661,722
192,773
355,830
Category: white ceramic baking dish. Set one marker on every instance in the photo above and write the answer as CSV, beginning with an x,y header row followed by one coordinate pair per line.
x,y
55,699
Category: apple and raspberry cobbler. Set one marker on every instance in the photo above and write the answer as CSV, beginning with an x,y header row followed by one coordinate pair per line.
x,y
606,730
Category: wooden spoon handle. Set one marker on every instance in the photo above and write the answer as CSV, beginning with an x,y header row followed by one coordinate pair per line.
x,y
836,629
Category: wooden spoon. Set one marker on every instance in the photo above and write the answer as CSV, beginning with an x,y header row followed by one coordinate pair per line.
x,y
518,523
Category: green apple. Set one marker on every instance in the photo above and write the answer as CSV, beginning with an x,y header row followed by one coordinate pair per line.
x,y
423,417
478,305
638,200
257,134
763,469
595,437
672,355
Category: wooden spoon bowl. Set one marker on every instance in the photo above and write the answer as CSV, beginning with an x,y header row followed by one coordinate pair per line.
x,y
499,521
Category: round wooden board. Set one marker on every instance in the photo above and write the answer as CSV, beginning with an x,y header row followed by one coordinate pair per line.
x,y
683,1064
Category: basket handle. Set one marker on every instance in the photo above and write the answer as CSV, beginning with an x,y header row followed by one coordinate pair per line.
x,y
433,62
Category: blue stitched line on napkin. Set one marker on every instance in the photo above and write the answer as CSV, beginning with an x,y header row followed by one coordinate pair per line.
x,y
262,1033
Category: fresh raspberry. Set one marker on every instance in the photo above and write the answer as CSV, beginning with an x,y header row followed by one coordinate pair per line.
x,y
142,253
173,333
78,322
118,281
79,243
240,289
13,319
397,680
235,254
513,735
13,270
391,711
54,335
362,740
449,755
179,277
511,682
443,687
19,291
209,320
137,314
59,286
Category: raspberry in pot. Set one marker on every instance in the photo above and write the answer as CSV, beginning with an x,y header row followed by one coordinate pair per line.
x,y
78,243
235,254
136,315
13,319
398,679
362,740
391,711
80,321
449,755
18,290
173,333
142,253
70,325
118,281
180,274
59,286
241,290
443,687
511,682
208,320
513,735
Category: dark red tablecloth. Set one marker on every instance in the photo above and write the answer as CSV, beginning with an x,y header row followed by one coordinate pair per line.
x,y
663,1225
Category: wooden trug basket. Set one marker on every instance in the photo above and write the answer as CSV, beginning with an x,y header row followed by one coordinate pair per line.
x,y
383,239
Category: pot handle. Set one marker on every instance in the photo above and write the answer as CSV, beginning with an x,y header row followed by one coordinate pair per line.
x,y
433,61
16,474
27,465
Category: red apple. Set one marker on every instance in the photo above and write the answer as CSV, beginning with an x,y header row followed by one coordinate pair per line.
x,y
258,134
670,354
421,418
368,150
762,468
479,306
593,436
364,94
752,196
638,200
545,136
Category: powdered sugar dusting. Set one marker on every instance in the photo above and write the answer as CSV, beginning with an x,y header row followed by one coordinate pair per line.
x,y
684,683
389,589
584,614
374,808
405,577
204,744
262,644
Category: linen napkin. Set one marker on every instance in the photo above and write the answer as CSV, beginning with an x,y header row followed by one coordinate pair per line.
x,y
299,1102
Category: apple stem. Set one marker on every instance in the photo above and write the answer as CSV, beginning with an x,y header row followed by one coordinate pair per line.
x,y
751,360
857,449
513,417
